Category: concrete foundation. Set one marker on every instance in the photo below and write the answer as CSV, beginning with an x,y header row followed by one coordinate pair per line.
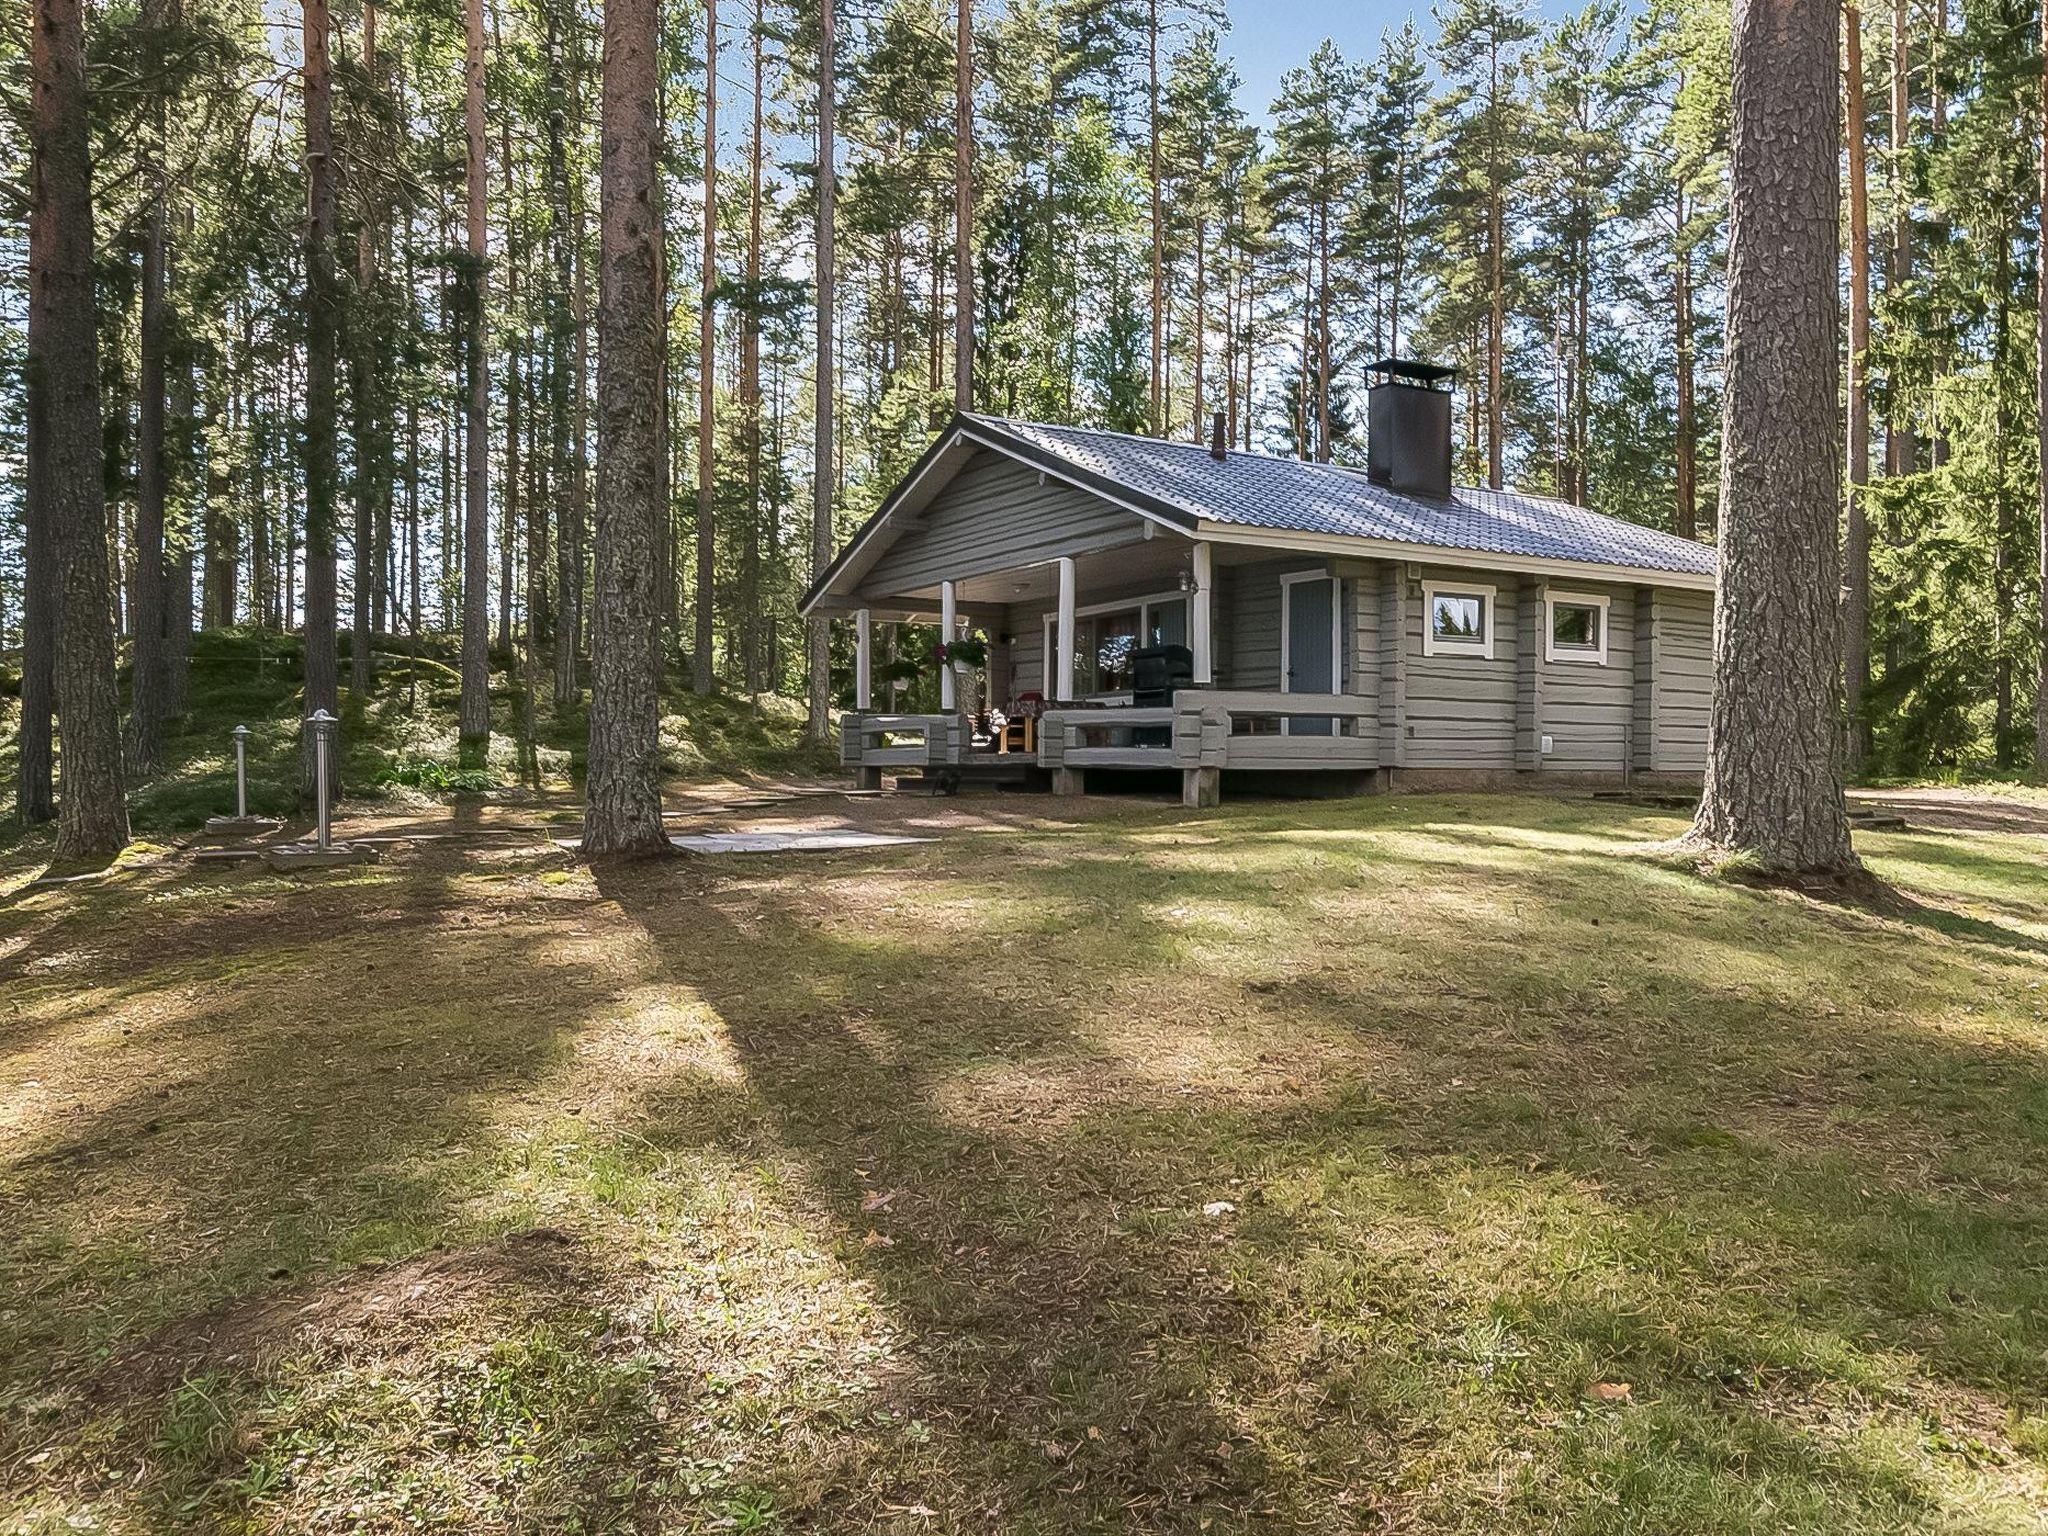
x,y
1201,788
241,826
1069,781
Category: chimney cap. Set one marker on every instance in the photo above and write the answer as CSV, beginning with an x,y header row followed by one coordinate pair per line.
x,y
1409,371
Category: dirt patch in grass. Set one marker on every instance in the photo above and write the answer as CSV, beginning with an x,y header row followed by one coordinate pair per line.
x,y
392,1306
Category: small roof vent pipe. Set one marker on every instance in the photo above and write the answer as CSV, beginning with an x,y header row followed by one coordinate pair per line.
x,y
1217,446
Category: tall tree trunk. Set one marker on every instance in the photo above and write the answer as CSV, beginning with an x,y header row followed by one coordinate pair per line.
x,y
152,459
963,208
1856,542
323,306
180,430
2005,524
515,365
364,386
1323,334
475,714
1686,514
1774,777
565,318
1158,215
2041,437
750,384
707,532
1900,450
819,719
624,787
64,417
1496,289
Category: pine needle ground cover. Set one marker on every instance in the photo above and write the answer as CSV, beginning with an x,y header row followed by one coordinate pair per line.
x,y
1419,1165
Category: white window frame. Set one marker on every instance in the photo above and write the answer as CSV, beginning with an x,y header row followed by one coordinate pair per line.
x,y
1481,648
1581,655
1120,605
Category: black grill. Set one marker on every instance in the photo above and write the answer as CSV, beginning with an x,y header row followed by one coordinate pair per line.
x,y
1157,671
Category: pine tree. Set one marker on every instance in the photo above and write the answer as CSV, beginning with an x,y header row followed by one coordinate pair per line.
x,y
624,795
64,423
1481,51
1774,781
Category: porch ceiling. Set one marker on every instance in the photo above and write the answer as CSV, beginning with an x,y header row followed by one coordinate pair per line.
x,y
1152,564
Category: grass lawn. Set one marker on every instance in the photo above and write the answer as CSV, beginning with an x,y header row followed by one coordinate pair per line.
x,y
1406,1165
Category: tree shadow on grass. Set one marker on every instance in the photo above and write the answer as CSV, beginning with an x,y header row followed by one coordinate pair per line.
x,y
1787,1180
189,1191
1066,1334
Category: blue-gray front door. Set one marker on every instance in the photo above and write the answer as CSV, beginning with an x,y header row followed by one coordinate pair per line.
x,y
1311,659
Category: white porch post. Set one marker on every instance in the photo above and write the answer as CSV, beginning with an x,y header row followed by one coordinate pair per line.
x,y
1198,614
863,659
948,625
1063,661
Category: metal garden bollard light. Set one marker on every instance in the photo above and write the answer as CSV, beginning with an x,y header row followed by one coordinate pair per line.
x,y
323,725
241,734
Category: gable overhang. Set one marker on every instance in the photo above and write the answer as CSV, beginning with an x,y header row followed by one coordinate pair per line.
x,y
957,442
965,435
1360,547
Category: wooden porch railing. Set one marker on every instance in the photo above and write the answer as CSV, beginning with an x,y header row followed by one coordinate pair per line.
x,y
1202,733
1217,728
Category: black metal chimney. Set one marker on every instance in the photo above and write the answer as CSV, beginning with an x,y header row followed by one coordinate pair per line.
x,y
1408,427
1217,447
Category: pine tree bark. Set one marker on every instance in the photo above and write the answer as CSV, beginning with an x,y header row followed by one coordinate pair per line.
x,y
323,305
1158,215
1773,790
2041,438
1900,448
363,392
64,419
475,709
1686,513
707,426
963,208
147,595
624,786
34,797
819,660
750,382
1856,540
565,318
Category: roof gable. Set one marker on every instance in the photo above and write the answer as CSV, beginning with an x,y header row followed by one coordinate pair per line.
x,y
1184,487
1260,491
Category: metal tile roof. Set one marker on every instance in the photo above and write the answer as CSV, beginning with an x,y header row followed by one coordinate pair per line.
x,y
1254,490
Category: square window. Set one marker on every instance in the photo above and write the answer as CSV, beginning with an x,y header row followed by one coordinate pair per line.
x,y
1575,626
1578,628
1459,620
1459,616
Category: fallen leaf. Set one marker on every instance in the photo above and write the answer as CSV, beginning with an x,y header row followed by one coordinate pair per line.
x,y
1219,1208
1610,1391
877,1240
872,1201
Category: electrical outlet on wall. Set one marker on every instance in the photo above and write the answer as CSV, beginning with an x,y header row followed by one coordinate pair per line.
x,y
1546,746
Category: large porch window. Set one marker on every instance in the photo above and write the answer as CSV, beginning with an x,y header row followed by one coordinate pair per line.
x,y
1107,634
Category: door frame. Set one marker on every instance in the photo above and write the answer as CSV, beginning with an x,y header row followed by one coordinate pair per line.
x,y
1287,584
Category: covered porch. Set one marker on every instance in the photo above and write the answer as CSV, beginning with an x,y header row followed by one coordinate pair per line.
x,y
1055,699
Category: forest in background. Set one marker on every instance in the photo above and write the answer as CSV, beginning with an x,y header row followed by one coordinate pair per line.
x,y
1542,204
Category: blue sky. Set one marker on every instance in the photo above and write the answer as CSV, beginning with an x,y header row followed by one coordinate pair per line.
x,y
1269,37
